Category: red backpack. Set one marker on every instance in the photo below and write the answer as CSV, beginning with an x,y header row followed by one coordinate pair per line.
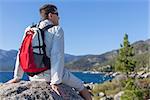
x,y
32,56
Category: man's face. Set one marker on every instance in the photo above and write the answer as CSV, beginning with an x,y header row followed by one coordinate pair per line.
x,y
54,18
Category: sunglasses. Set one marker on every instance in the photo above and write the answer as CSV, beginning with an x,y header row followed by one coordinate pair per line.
x,y
55,13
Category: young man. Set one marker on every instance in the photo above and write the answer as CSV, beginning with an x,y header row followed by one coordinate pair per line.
x,y
54,40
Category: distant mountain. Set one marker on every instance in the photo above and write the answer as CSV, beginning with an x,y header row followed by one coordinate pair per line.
x,y
71,58
85,62
141,46
8,58
89,62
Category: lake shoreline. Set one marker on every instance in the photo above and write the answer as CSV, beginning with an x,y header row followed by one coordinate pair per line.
x,y
89,77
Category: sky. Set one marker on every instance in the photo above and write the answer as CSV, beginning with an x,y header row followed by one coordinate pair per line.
x,y
90,26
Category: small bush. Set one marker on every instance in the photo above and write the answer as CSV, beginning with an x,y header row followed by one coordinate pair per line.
x,y
109,88
132,92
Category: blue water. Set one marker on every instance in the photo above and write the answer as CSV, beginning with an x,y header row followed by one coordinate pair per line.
x,y
86,77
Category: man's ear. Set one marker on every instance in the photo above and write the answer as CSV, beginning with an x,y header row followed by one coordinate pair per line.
x,y
50,15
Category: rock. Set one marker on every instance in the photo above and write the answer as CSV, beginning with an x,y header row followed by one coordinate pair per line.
x,y
120,77
133,75
115,74
89,86
101,94
146,75
103,98
118,95
110,97
106,98
35,90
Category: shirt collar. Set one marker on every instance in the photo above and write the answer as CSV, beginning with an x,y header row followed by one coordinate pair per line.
x,y
44,23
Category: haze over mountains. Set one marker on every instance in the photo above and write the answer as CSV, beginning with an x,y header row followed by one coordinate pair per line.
x,y
85,62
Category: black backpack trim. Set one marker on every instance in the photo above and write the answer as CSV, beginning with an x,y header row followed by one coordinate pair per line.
x,y
46,59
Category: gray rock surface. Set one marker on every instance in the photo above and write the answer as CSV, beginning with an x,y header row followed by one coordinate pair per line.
x,y
26,90
120,77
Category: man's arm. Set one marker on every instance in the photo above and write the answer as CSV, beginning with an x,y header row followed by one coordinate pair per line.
x,y
57,56
18,72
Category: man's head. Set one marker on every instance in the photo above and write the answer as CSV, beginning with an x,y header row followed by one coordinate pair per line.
x,y
49,11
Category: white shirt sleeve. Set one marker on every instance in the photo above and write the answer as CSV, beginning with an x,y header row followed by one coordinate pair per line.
x,y
57,56
18,71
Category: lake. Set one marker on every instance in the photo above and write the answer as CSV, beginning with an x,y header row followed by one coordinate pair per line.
x,y
86,77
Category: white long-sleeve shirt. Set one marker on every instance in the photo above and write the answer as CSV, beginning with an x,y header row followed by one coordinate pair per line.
x,y
54,40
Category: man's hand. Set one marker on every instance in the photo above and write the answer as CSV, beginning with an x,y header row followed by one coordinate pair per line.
x,y
14,80
59,91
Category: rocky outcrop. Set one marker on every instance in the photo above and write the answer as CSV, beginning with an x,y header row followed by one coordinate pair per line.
x,y
26,90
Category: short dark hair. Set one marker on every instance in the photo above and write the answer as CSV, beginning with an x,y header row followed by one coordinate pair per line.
x,y
46,9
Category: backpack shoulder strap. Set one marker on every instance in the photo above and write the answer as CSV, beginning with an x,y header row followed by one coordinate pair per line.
x,y
43,36
47,27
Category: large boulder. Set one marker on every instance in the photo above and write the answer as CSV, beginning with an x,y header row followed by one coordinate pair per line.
x,y
35,90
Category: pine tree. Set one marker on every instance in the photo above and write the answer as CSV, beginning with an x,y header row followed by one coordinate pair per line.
x,y
125,62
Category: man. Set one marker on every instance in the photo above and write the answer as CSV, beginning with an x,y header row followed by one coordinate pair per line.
x,y
54,40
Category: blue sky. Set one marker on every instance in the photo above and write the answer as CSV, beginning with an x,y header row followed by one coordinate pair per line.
x,y
90,26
